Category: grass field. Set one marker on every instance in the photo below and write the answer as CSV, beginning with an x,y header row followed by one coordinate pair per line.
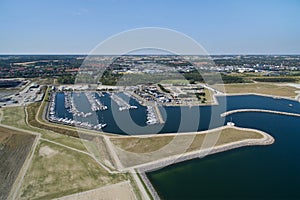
x,y
57,171
15,116
141,144
175,81
138,150
261,88
14,149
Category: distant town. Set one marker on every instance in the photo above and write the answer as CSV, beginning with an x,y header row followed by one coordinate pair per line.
x,y
65,67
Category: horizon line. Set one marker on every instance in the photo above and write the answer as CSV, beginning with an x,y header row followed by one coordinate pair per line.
x,y
85,54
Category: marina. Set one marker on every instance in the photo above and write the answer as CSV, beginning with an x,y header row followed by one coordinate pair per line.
x,y
69,104
123,105
154,115
95,103
150,117
72,116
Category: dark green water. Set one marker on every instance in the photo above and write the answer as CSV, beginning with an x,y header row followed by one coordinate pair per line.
x,y
268,172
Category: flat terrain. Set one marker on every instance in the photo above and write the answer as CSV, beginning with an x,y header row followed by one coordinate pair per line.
x,y
121,190
261,88
57,171
175,81
138,150
14,149
14,116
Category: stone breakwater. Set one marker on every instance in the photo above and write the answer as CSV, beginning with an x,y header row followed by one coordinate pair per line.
x,y
259,110
155,165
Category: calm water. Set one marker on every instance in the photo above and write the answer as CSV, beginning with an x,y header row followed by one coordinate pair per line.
x,y
268,172
177,119
134,122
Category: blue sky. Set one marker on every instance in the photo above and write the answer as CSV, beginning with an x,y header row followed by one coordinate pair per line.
x,y
221,27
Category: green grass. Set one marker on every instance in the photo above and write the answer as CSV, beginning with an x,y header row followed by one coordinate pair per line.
x,y
14,116
261,88
33,109
175,81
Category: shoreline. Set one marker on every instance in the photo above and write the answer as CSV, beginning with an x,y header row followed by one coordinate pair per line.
x,y
171,160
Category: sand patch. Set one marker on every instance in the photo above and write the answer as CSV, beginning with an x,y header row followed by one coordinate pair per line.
x,y
46,151
122,190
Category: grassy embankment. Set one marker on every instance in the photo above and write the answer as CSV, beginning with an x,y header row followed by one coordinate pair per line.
x,y
138,150
15,116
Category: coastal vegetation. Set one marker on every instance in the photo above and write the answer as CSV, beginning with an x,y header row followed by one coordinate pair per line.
x,y
163,88
275,79
67,79
260,88
175,81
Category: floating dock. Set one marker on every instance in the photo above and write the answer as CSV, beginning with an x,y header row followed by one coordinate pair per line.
x,y
154,115
123,105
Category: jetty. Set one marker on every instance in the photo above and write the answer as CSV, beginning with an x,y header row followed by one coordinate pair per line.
x,y
154,115
96,104
123,105
71,107
259,110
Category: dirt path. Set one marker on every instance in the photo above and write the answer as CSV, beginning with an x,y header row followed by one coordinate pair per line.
x,y
113,153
